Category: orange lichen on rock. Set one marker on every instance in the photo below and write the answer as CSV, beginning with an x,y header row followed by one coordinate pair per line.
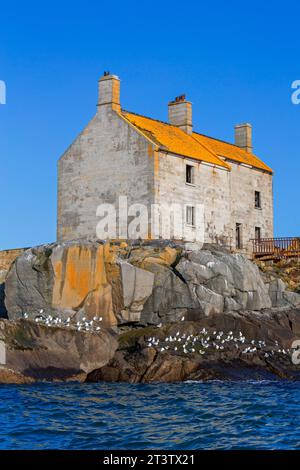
x,y
81,281
113,273
145,257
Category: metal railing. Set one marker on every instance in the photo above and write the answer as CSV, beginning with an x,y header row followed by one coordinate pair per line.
x,y
276,247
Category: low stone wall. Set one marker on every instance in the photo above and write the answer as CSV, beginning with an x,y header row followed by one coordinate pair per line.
x,y
8,256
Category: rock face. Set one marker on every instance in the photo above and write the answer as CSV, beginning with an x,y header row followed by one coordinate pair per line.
x,y
280,296
137,287
159,282
171,298
210,348
286,269
84,278
142,295
68,279
231,276
30,352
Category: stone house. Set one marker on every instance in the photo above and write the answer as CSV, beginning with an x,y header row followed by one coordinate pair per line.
x,y
120,153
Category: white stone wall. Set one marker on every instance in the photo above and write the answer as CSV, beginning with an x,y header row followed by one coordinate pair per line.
x,y
108,159
210,188
244,182
228,198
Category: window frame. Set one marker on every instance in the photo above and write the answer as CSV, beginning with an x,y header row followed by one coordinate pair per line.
x,y
257,199
192,223
190,167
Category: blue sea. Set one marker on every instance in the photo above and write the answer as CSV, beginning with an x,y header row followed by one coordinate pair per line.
x,y
214,415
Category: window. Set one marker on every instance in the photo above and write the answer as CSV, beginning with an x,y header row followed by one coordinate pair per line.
x,y
257,233
189,175
257,200
190,215
238,236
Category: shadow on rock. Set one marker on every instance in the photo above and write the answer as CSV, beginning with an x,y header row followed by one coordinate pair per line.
x,y
3,311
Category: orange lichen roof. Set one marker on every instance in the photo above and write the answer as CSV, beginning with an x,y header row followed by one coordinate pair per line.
x,y
172,139
198,146
232,152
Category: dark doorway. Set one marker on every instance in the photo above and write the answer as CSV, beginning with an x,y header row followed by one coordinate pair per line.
x,y
238,236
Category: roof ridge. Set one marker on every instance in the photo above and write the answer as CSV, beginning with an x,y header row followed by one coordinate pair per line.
x,y
147,117
219,140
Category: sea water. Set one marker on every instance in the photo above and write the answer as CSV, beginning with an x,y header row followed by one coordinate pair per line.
x,y
192,415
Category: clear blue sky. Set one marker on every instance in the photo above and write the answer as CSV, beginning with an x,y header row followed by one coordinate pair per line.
x,y
234,64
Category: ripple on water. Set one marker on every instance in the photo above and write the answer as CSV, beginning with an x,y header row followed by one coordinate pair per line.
x,y
191,415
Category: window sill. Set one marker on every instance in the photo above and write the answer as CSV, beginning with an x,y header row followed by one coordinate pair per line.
x,y
190,184
190,225
258,208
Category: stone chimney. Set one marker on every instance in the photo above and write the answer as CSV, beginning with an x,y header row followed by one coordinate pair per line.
x,y
109,91
243,137
180,114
